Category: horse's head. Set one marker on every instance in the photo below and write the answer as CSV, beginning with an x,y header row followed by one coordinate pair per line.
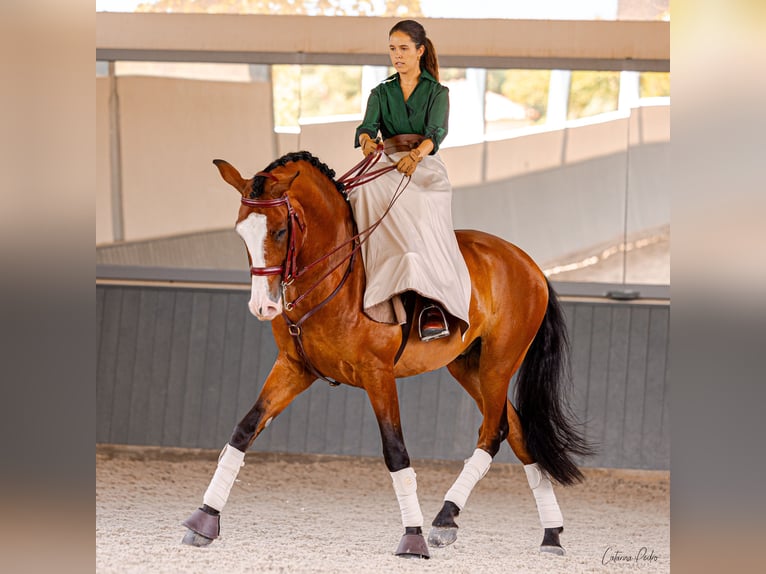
x,y
272,228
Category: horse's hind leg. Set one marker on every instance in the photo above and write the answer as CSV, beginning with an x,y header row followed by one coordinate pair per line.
x,y
547,506
494,428
284,383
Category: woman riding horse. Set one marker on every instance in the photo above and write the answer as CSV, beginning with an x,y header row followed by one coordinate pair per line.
x,y
414,249
295,221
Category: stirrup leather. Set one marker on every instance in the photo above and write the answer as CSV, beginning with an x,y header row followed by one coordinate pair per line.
x,y
437,335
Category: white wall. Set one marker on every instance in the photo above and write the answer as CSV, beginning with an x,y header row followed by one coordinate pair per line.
x,y
170,131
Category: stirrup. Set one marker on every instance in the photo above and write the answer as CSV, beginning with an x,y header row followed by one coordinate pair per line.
x,y
432,334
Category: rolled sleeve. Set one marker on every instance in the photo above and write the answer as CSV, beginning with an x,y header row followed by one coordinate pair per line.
x,y
438,118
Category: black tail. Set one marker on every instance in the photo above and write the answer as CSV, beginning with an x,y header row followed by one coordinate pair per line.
x,y
542,386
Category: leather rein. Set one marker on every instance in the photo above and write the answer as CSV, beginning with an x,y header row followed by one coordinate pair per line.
x,y
358,175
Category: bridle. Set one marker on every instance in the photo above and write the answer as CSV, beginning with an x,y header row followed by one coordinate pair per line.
x,y
288,268
356,176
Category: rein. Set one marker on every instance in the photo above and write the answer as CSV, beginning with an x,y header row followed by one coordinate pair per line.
x,y
361,174
356,176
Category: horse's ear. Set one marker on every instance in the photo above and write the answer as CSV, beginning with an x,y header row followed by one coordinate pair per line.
x,y
231,176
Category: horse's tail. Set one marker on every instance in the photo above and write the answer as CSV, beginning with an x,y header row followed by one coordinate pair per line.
x,y
543,383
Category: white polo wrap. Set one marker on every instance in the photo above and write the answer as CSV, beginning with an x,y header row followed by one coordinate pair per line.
x,y
406,487
473,471
229,463
542,488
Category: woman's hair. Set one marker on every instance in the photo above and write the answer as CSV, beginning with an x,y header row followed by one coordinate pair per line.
x,y
417,34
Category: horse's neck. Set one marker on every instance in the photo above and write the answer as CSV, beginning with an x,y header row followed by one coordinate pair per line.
x,y
329,224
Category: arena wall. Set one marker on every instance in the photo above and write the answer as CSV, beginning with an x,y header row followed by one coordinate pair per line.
x,y
179,367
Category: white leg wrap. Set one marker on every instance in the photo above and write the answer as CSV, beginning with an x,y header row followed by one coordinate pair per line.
x,y
475,468
542,488
229,464
406,487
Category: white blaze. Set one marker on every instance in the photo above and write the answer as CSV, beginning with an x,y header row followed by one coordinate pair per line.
x,y
253,231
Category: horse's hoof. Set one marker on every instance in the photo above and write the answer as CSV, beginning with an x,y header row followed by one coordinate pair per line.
x,y
203,528
193,539
441,536
551,543
413,546
557,550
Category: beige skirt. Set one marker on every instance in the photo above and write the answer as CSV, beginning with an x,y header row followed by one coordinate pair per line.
x,y
414,248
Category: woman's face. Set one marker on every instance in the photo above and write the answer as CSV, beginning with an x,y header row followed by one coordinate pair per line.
x,y
404,55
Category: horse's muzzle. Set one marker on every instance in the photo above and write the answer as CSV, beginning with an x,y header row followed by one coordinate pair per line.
x,y
264,304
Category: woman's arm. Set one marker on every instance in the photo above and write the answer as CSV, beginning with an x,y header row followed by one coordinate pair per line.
x,y
437,118
368,129
425,148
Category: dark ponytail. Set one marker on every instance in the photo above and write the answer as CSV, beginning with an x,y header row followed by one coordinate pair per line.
x,y
429,61
417,34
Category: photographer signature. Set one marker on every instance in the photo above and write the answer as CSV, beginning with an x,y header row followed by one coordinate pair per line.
x,y
642,557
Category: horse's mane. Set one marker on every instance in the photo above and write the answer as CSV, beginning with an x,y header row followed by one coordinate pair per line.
x,y
306,156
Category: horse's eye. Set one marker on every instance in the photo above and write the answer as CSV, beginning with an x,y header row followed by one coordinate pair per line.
x,y
279,235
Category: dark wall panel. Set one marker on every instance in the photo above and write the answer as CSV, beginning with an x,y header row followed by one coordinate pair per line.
x,y
179,367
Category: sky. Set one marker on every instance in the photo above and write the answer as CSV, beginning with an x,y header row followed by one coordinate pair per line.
x,y
538,9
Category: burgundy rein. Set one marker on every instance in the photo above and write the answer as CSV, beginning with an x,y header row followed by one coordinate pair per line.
x,y
356,176
361,174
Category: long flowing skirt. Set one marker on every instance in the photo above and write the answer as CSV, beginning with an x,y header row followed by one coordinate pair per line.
x,y
414,248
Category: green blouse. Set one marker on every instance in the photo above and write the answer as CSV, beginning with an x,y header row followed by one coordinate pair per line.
x,y
425,112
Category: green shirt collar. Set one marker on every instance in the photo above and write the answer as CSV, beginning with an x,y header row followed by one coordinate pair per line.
x,y
424,75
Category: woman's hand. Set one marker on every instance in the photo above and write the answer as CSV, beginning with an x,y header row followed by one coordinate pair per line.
x,y
368,144
409,162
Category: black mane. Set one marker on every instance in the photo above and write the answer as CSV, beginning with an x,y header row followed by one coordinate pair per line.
x,y
259,180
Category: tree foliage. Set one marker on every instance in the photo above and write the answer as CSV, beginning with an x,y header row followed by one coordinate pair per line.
x,y
655,84
592,93
312,91
399,8
526,87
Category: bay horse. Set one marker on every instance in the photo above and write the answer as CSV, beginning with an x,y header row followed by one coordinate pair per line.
x,y
300,234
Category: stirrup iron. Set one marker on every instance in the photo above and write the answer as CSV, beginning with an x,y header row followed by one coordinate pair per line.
x,y
444,333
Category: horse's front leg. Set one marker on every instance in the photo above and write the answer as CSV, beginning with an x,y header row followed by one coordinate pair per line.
x,y
385,403
286,380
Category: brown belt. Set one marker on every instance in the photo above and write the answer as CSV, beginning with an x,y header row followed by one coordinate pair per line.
x,y
402,142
